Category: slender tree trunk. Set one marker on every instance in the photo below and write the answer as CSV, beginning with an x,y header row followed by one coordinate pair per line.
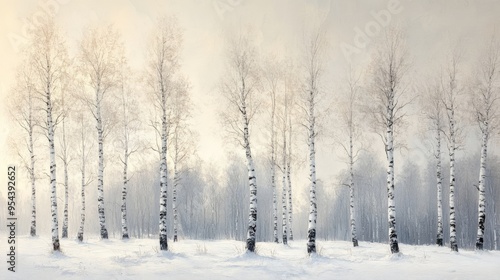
x,y
273,174
439,238
32,173
252,216
275,199
84,183
352,208
66,181
237,233
393,237
284,192
453,226
313,212
82,213
163,176
100,171
174,198
66,191
124,193
495,226
481,188
290,206
53,183
495,238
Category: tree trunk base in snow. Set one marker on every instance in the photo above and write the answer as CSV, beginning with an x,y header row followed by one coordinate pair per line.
x,y
439,241
394,247
33,232
311,248
80,236
354,242
163,243
454,247
175,238
285,240
56,245
104,233
64,233
276,240
251,245
479,245
125,236
311,243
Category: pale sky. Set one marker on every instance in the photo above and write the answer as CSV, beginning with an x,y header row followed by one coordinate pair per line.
x,y
278,24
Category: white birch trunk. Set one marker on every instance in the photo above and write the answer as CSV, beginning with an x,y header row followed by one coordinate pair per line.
x,y
32,168
100,171
275,199
481,188
66,182
273,175
53,183
439,237
82,212
284,194
275,208
313,212
79,235
163,173
66,191
174,197
252,215
391,210
124,190
352,209
453,226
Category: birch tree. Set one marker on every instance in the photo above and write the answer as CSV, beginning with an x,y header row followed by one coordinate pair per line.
x,y
271,79
350,123
49,58
100,54
84,154
64,154
290,86
450,99
273,170
284,171
180,140
433,110
387,107
485,95
289,178
313,70
239,87
162,68
26,114
129,126
287,87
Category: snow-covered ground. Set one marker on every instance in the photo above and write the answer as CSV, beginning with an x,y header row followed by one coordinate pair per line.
x,y
225,259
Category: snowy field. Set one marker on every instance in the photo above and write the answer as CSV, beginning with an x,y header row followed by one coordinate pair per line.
x,y
195,259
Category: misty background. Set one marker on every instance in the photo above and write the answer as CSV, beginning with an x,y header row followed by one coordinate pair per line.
x,y
432,27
